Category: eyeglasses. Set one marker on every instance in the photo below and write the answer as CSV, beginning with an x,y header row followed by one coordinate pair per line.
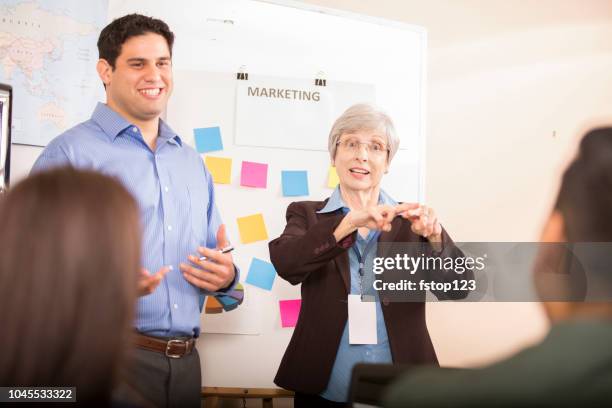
x,y
353,145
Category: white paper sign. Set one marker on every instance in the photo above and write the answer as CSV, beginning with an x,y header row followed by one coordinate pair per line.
x,y
362,321
292,113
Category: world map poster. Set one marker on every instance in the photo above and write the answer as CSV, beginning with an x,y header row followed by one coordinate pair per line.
x,y
48,54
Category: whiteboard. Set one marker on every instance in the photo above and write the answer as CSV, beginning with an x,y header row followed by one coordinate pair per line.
x,y
281,39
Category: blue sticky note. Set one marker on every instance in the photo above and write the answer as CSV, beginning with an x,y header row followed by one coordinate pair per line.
x,y
295,183
261,274
208,139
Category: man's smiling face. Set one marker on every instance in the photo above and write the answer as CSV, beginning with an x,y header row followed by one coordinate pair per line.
x,y
141,82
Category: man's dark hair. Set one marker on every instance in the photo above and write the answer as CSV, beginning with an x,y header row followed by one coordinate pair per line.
x,y
585,197
114,35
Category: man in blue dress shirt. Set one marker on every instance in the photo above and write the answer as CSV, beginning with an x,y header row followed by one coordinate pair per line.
x,y
126,138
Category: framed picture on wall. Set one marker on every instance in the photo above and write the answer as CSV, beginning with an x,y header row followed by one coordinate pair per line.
x,y
6,100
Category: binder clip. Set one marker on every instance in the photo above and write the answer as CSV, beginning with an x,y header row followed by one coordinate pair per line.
x,y
242,74
320,79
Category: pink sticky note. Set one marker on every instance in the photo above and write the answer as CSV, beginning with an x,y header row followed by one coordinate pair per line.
x,y
254,174
289,310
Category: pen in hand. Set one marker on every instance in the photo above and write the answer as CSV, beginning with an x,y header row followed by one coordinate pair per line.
x,y
223,251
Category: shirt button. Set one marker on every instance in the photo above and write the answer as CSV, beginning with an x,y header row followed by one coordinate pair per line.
x,y
169,227
175,306
171,267
134,129
166,189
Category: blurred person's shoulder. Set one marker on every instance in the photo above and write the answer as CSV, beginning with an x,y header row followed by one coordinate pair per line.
x,y
570,367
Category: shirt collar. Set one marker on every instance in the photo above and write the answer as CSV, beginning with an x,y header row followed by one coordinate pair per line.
x,y
110,121
336,202
113,124
166,133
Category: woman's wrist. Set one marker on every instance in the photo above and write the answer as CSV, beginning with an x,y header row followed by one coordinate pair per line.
x,y
346,227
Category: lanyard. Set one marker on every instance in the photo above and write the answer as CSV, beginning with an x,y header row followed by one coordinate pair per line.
x,y
361,258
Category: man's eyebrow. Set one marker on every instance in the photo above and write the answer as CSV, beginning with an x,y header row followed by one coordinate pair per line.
x,y
140,59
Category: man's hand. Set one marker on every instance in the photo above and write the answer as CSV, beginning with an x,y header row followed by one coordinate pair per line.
x,y
424,221
214,273
147,282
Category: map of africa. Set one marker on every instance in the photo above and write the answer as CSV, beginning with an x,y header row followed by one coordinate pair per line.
x,y
48,54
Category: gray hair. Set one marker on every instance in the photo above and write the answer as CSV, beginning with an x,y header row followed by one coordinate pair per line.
x,y
363,116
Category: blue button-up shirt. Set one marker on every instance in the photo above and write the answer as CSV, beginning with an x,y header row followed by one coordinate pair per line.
x,y
350,354
176,197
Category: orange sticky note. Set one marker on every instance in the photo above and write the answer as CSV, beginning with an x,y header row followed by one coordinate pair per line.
x,y
332,178
220,168
252,228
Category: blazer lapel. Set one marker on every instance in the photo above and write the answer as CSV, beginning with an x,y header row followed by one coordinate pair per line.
x,y
342,261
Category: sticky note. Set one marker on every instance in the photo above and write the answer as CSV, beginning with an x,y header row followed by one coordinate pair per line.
x,y
289,311
213,305
220,168
254,174
332,178
252,228
208,139
295,183
261,274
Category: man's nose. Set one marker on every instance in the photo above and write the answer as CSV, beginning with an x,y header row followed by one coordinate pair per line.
x,y
152,73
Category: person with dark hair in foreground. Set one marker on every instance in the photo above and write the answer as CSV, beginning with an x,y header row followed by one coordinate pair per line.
x,y
127,138
69,264
572,366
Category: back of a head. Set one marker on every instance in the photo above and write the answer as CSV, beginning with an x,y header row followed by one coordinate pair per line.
x,y
585,197
69,263
584,206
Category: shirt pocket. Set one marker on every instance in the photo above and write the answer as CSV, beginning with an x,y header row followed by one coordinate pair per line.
x,y
198,210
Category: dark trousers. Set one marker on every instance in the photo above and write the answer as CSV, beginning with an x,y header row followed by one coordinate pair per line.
x,y
164,381
315,401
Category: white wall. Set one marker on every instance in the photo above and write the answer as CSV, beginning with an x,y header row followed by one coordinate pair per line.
x,y
511,83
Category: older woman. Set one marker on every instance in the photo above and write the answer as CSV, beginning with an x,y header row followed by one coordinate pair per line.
x,y
328,247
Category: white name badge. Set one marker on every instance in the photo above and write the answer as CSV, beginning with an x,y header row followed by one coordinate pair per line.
x,y
362,321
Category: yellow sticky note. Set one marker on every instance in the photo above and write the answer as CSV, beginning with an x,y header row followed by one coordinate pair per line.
x,y
220,168
332,178
252,228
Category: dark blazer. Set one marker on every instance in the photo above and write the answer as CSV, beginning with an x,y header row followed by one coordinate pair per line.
x,y
307,253
572,367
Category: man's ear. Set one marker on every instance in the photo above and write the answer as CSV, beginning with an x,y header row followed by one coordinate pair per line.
x,y
105,71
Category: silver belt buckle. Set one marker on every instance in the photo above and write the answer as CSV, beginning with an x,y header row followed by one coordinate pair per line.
x,y
175,341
